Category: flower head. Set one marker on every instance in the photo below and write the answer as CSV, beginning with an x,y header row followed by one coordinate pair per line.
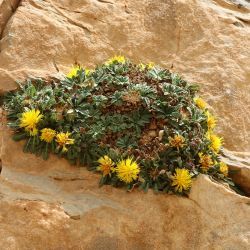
x,y
116,59
223,168
127,170
205,161
211,121
200,103
181,179
106,165
177,141
143,66
29,121
47,135
215,142
73,72
150,65
63,139
88,72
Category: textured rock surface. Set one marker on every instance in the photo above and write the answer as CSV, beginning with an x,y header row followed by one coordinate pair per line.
x,y
57,206
240,164
51,205
65,209
205,41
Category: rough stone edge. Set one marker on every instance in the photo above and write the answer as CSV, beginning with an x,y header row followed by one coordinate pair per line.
x,y
7,10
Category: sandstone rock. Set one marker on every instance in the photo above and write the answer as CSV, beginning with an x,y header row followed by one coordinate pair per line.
x,y
198,39
240,169
7,8
52,205
78,215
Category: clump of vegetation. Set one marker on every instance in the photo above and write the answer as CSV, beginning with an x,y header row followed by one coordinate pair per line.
x,y
138,125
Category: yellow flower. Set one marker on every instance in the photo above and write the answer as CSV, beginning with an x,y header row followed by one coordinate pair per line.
x,y
63,139
88,72
224,168
33,132
200,103
215,142
73,71
181,179
205,161
127,170
116,59
47,135
29,121
211,121
106,165
150,65
177,141
141,66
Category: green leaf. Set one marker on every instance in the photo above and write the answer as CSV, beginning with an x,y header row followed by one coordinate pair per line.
x,y
19,136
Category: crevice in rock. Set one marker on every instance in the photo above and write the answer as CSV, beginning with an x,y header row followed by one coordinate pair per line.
x,y
13,7
28,200
70,20
244,20
200,207
73,11
232,5
238,24
55,65
73,217
67,178
236,157
105,1
239,171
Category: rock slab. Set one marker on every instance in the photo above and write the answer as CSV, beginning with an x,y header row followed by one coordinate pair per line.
x,y
52,205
